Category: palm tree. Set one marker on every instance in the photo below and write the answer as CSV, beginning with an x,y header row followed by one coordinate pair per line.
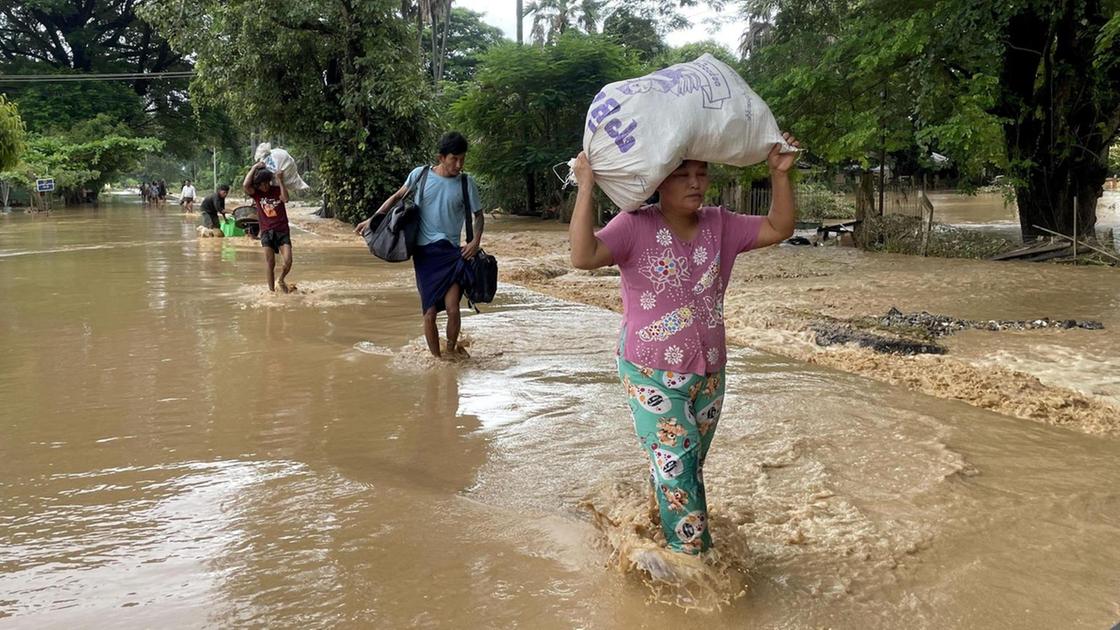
x,y
437,14
552,17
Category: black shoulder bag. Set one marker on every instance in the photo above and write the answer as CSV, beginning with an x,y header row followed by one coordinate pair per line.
x,y
392,236
483,268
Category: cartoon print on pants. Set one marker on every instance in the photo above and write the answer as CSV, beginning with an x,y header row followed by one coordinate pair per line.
x,y
674,380
708,416
676,497
668,431
691,527
651,399
668,465
711,385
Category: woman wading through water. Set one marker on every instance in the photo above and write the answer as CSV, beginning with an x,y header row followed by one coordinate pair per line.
x,y
675,258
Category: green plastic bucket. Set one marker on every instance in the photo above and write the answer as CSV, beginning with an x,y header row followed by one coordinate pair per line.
x,y
229,228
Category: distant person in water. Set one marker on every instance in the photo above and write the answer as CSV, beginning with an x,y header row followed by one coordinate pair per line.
x,y
675,258
161,189
439,258
270,201
186,196
212,206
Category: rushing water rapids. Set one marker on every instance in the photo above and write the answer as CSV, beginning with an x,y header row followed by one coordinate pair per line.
x,y
182,449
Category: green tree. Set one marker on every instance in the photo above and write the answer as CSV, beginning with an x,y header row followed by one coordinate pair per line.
x,y
87,156
635,32
1114,160
526,109
467,38
12,134
552,18
342,80
94,36
688,52
1028,85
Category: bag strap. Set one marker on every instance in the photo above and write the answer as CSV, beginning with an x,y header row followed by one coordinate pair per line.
x,y
467,206
419,187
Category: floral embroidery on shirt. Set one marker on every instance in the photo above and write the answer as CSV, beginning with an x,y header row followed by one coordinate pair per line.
x,y
674,355
664,237
648,300
669,325
700,255
665,270
713,355
714,306
708,279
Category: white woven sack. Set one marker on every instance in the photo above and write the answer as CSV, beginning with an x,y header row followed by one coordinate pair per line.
x,y
639,130
281,162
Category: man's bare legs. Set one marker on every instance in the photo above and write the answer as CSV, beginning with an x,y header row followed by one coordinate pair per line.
x,y
431,332
286,254
454,320
454,323
270,265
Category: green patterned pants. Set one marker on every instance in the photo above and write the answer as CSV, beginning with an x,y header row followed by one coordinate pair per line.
x,y
675,417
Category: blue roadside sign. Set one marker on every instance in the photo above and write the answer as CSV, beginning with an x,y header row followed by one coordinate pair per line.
x,y
44,185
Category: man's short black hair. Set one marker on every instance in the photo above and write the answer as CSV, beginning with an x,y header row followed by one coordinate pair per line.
x,y
223,188
452,143
263,176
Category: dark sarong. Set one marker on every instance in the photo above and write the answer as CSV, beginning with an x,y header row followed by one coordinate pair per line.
x,y
438,266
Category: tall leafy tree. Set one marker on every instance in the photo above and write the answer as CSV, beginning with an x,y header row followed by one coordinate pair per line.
x,y
340,79
525,112
635,32
12,134
94,36
552,18
467,38
1032,86
84,157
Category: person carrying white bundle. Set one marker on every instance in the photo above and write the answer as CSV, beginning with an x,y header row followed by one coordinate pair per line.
x,y
283,164
639,130
675,259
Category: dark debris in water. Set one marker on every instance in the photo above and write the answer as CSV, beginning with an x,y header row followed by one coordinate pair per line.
x,y
943,325
917,333
839,334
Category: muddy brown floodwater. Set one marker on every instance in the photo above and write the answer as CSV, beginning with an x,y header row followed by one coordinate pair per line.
x,y
181,449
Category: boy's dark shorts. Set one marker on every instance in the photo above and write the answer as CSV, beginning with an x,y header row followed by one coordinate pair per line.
x,y
274,239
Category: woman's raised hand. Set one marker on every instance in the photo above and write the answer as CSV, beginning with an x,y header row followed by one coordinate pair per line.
x,y
782,162
584,176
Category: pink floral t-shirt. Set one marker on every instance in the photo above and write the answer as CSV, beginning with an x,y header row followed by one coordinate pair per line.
x,y
672,290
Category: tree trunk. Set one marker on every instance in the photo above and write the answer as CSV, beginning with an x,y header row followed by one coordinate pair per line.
x,y
1061,115
520,22
865,209
530,194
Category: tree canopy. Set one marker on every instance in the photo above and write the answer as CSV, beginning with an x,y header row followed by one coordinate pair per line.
x,y
341,81
525,110
87,156
1029,86
95,36
12,134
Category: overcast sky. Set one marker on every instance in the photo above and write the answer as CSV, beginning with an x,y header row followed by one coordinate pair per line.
x,y
503,14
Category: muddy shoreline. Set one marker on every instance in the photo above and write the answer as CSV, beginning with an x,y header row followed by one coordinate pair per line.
x,y
777,297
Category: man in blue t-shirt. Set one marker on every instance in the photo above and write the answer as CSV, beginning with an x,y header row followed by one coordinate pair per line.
x,y
439,256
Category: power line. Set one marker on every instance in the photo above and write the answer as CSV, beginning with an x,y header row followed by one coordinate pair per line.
x,y
119,76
